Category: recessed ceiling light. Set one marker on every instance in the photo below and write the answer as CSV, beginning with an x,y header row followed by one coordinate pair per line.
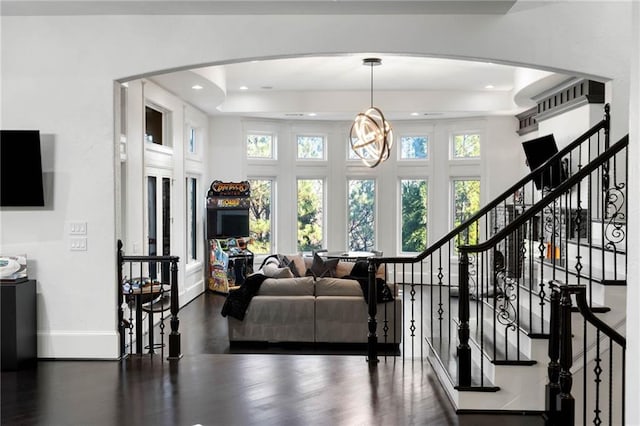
x,y
415,114
243,88
197,87
489,86
312,114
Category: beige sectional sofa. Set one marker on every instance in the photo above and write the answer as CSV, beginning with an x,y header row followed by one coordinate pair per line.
x,y
319,310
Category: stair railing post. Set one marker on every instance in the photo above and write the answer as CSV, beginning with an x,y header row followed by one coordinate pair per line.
x,y
174,337
552,388
565,402
119,264
372,341
463,350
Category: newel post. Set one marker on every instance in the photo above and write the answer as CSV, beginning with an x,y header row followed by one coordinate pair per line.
x,y
372,341
464,350
565,402
552,388
174,337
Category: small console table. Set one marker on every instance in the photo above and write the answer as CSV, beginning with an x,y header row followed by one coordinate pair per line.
x,y
19,329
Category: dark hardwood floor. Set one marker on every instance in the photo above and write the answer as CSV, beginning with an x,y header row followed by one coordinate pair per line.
x,y
214,384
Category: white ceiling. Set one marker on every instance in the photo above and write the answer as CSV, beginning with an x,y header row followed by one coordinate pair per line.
x,y
338,87
331,87
256,7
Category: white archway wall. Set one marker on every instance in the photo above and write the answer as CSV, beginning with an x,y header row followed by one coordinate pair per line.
x,y
57,75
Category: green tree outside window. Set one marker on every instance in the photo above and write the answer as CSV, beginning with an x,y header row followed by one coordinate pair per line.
x,y
310,214
414,147
414,215
260,215
466,196
361,221
260,146
310,147
466,146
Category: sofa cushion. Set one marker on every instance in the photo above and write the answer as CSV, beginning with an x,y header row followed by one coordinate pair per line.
x,y
328,286
301,286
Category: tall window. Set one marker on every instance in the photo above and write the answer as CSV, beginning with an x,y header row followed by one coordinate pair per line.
x,y
260,146
466,146
192,199
310,214
466,201
260,215
310,147
414,148
361,221
414,214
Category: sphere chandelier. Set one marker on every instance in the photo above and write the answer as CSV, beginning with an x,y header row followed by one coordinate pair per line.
x,y
371,135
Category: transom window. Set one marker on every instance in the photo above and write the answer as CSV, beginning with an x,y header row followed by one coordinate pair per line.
x,y
260,146
466,145
155,126
414,147
310,147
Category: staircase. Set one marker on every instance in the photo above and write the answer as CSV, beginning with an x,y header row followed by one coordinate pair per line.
x,y
493,305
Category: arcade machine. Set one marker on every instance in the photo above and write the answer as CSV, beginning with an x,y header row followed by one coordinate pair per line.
x,y
227,230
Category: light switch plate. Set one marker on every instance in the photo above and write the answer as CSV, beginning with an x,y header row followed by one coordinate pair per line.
x,y
77,228
78,243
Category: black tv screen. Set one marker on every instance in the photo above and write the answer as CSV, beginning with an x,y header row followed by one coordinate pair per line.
x,y
538,151
227,223
20,169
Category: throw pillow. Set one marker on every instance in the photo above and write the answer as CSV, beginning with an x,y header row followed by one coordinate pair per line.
x,y
291,265
322,268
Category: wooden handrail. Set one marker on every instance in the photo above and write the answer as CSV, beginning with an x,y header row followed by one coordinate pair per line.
x,y
602,124
546,200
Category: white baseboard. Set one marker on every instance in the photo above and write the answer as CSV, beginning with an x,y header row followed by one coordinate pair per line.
x,y
78,345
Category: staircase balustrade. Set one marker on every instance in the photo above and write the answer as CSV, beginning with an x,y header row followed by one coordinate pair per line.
x,y
480,296
147,286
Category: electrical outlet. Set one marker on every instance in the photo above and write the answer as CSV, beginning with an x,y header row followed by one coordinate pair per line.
x,y
77,228
78,243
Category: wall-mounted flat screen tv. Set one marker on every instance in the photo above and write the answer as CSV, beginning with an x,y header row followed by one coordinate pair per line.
x,y
20,169
227,223
538,151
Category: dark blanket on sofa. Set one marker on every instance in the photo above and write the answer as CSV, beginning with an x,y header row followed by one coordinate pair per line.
x,y
360,273
238,300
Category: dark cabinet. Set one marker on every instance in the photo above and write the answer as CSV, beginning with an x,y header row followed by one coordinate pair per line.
x,y
18,328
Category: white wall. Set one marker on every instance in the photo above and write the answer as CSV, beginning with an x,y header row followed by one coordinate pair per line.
x,y
58,73
633,234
